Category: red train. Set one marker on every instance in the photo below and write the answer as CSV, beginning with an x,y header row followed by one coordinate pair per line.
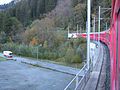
x,y
115,45
111,38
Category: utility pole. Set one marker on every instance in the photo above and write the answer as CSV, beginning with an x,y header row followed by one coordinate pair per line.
x,y
80,30
94,28
106,25
68,30
37,51
88,31
77,28
99,27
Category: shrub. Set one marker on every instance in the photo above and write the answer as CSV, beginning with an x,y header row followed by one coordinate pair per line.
x,y
62,50
45,45
40,55
53,56
46,55
69,54
76,43
60,59
69,51
83,40
76,59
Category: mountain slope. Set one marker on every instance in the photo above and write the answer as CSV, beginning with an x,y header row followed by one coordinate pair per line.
x,y
28,10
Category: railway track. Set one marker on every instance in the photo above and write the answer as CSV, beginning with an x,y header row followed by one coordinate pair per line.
x,y
104,79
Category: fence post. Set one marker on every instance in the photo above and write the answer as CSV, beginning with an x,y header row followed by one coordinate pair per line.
x,y
77,80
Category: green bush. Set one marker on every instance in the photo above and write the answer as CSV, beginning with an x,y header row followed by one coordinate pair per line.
x,y
40,55
76,59
62,50
69,55
69,51
53,55
60,59
83,40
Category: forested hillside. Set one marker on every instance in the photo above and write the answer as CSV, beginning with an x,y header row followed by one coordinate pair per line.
x,y
28,10
43,23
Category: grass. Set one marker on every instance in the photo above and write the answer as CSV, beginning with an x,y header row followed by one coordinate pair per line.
x,y
74,65
2,59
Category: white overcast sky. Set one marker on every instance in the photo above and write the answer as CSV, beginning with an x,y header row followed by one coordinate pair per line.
x,y
4,1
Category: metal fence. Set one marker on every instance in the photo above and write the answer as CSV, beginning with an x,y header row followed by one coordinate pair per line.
x,y
79,81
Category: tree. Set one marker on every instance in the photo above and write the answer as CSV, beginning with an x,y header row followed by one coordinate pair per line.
x,y
79,15
34,41
3,37
28,10
45,45
12,27
3,19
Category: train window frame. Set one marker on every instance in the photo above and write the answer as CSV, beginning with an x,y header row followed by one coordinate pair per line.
x,y
117,47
